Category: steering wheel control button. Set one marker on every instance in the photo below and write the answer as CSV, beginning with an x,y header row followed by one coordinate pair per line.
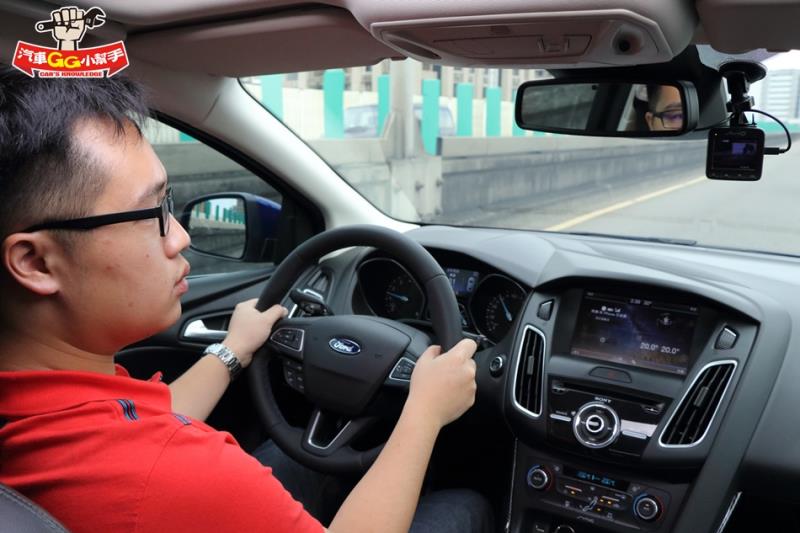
x,y
545,310
538,478
596,425
611,374
496,365
289,338
293,374
726,339
403,369
646,508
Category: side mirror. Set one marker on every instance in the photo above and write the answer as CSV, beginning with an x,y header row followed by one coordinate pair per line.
x,y
232,225
608,108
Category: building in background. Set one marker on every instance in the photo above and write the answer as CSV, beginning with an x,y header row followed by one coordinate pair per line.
x,y
780,94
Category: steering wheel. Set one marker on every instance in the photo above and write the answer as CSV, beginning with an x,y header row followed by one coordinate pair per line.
x,y
346,359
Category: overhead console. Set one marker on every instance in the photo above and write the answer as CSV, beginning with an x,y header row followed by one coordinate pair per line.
x,y
615,393
573,33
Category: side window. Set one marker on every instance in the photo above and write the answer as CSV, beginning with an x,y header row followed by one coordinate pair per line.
x,y
194,170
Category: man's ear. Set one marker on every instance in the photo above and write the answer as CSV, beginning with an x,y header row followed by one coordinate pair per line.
x,y
650,119
29,258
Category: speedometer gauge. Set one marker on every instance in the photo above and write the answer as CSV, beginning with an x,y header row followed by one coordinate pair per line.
x,y
495,305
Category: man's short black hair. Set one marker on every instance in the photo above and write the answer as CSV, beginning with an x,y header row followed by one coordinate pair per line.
x,y
653,94
44,173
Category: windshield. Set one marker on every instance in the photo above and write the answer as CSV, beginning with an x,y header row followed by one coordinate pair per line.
x,y
433,144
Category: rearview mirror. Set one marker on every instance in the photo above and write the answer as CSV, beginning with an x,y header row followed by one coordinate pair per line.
x,y
607,108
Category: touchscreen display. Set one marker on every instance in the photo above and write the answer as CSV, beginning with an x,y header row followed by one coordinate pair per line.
x,y
635,331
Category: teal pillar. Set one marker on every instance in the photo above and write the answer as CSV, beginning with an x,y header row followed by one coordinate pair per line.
x,y
516,131
464,104
430,114
383,101
493,111
272,94
216,212
333,94
185,138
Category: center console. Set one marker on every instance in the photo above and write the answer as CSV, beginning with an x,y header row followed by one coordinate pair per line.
x,y
614,393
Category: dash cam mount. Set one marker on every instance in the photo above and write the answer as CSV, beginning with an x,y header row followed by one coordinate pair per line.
x,y
736,152
740,74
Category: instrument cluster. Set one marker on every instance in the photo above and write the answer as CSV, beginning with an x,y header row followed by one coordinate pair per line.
x,y
489,301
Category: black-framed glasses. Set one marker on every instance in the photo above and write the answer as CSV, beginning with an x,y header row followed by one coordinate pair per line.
x,y
162,213
671,119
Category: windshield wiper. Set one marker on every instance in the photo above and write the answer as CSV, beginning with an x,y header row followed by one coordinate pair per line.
x,y
662,240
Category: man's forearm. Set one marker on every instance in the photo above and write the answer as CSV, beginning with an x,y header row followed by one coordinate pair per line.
x,y
198,390
386,497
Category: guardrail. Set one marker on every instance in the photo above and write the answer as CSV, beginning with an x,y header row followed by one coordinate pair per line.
x,y
469,173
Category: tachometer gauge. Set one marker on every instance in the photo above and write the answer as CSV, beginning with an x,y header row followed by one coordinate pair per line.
x,y
495,305
403,298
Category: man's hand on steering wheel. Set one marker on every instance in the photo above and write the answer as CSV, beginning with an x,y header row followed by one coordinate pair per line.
x,y
443,384
250,328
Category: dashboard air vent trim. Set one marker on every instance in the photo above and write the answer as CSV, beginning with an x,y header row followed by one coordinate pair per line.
x,y
715,379
529,374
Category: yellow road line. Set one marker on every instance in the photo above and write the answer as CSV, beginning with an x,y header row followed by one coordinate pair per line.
x,y
621,205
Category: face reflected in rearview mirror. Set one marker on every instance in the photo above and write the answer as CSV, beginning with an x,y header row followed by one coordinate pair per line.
x,y
607,109
664,108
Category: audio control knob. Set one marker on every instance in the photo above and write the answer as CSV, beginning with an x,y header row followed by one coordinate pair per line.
x,y
646,508
538,478
596,425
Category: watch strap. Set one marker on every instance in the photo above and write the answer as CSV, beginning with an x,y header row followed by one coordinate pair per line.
x,y
228,358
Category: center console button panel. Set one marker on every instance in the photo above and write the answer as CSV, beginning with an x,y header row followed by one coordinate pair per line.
x,y
589,495
621,426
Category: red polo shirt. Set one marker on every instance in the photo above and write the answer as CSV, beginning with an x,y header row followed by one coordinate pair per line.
x,y
106,453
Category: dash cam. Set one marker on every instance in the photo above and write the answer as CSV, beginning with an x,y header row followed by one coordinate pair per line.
x,y
735,154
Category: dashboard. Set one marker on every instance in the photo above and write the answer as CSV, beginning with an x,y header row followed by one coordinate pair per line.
x,y
489,301
644,384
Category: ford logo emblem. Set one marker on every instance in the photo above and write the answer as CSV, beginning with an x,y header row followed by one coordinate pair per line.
x,y
344,346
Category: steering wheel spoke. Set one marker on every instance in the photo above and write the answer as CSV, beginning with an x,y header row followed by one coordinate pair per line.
x,y
289,337
327,433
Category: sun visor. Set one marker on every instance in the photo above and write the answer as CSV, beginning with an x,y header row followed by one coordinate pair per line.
x,y
289,41
738,26
579,33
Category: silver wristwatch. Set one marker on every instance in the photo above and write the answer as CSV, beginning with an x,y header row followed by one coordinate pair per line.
x,y
228,358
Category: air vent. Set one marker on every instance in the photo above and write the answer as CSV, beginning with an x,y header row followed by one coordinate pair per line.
x,y
693,416
528,380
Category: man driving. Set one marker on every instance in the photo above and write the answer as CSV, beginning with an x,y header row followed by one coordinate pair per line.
x,y
91,258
